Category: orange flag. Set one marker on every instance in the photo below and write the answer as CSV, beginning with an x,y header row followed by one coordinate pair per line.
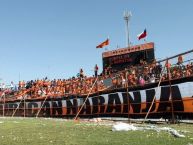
x,y
103,44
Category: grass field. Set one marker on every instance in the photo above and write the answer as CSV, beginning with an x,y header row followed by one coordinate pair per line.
x,y
31,131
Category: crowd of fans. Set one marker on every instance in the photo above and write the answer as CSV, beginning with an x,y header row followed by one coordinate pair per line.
x,y
82,84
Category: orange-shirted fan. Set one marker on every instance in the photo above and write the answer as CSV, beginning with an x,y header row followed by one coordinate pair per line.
x,y
168,65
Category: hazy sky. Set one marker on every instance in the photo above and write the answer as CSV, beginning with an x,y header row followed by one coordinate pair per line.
x,y
56,38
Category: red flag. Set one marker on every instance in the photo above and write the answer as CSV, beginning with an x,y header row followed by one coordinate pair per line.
x,y
103,44
142,35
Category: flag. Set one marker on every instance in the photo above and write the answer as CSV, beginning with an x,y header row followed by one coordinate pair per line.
x,y
103,44
142,35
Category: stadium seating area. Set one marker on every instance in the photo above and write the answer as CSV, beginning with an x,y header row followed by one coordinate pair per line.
x,y
81,85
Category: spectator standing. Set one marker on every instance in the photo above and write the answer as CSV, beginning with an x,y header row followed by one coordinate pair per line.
x,y
12,86
96,70
180,60
81,73
168,64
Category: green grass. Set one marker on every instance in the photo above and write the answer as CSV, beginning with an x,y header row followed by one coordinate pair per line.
x,y
31,131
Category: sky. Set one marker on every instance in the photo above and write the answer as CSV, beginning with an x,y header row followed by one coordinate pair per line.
x,y
55,38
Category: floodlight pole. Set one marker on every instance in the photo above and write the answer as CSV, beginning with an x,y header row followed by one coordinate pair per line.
x,y
127,15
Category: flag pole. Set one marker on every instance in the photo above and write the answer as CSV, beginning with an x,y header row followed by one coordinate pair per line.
x,y
107,46
128,101
3,105
24,107
171,97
